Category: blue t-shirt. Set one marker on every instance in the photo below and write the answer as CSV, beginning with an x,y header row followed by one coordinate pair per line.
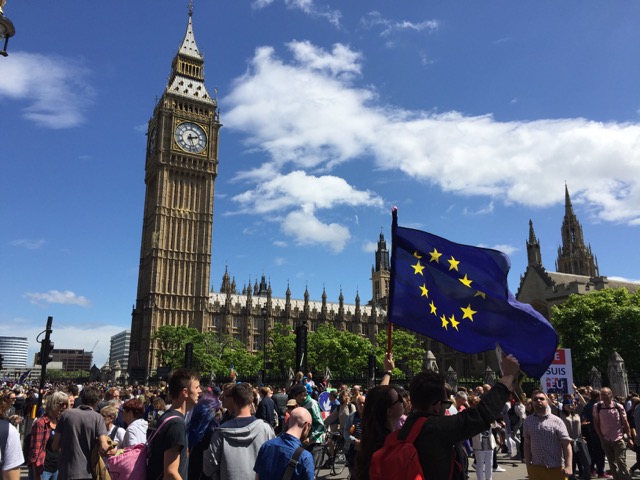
x,y
274,457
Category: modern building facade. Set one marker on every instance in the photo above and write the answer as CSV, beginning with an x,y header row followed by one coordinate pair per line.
x,y
119,350
576,265
72,360
15,352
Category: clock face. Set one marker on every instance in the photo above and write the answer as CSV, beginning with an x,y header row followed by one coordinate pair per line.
x,y
191,137
152,140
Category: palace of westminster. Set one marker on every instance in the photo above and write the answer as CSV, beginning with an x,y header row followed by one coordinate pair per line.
x,y
175,258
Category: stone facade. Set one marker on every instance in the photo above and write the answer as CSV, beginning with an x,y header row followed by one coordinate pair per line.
x,y
180,171
578,272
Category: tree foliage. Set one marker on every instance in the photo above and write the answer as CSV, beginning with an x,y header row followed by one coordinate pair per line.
x,y
595,325
212,353
408,353
344,353
281,349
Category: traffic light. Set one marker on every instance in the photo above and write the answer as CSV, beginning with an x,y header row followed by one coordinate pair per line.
x,y
47,352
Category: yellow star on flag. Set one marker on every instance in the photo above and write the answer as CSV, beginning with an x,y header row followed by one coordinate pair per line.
x,y
418,268
415,254
454,323
468,312
453,264
444,322
480,294
435,256
466,281
433,308
425,292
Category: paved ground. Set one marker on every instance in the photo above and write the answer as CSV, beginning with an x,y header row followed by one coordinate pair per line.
x,y
513,471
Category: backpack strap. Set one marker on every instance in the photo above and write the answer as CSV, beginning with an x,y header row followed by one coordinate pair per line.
x,y
293,463
159,427
4,437
415,430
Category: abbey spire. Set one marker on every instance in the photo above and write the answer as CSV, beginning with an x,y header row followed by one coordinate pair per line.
x,y
574,256
534,257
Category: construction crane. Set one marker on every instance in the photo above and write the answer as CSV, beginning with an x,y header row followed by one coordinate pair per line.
x,y
94,346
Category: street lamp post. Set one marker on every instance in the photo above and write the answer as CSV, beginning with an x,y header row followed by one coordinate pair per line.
x,y
7,30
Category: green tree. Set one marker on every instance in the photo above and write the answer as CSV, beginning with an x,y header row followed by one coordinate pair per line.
x,y
408,352
344,353
281,349
171,342
596,324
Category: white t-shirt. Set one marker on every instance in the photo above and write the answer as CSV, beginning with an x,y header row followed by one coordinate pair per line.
x,y
13,453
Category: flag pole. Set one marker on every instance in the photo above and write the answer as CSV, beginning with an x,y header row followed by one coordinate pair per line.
x,y
394,225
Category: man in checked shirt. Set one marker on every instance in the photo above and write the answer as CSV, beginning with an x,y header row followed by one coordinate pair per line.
x,y
547,444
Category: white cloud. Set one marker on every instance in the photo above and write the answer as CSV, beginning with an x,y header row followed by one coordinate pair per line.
x,y
306,229
308,192
308,114
623,279
303,196
369,247
28,243
279,261
308,7
56,296
389,27
480,211
53,87
66,336
504,248
280,243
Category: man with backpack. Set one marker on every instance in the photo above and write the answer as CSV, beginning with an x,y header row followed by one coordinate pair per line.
x,y
435,435
168,449
284,457
611,425
77,432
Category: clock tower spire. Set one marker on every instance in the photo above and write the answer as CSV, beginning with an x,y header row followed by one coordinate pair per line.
x,y
180,172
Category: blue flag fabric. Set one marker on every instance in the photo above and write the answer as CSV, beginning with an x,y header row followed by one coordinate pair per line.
x,y
458,295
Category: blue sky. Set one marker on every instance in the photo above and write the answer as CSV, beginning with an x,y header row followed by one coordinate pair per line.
x,y
467,116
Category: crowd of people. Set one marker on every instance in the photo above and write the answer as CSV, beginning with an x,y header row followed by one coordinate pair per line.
x,y
235,431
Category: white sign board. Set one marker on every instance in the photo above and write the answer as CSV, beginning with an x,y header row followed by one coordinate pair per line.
x,y
559,376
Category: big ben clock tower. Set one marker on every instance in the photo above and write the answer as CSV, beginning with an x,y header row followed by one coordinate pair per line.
x,y
180,171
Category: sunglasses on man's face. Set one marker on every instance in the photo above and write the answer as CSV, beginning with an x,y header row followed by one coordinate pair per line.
x,y
445,403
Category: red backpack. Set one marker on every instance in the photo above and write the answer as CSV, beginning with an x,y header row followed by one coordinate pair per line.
x,y
398,459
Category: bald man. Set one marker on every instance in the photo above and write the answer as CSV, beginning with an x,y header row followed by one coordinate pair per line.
x,y
275,454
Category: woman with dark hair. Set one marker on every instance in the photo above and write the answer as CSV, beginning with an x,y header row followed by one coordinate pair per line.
x,y
132,414
382,410
201,426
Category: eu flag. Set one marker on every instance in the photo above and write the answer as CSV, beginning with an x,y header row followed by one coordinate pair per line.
x,y
458,295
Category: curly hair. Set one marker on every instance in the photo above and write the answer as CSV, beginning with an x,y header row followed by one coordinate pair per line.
x,y
134,406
